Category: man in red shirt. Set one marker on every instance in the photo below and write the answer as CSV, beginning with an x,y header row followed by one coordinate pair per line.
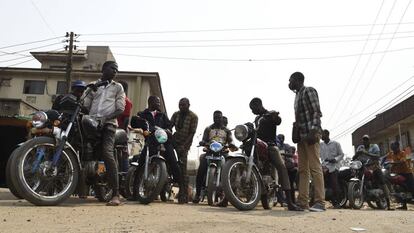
x,y
123,119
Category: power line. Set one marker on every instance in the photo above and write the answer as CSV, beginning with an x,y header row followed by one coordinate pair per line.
x,y
237,39
43,18
383,108
32,42
248,45
236,29
261,60
372,104
367,63
25,50
23,56
356,64
383,55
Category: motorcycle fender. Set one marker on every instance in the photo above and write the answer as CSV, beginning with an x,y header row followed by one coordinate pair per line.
x,y
71,149
156,157
354,179
213,165
238,155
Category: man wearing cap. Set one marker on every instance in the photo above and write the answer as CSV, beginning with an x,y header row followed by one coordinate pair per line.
x,y
105,104
373,151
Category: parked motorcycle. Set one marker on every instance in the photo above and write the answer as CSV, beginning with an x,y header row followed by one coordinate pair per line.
x,y
249,177
151,177
397,184
215,154
344,175
46,170
362,186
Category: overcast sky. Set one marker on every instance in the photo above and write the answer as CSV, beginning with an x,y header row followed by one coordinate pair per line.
x,y
220,54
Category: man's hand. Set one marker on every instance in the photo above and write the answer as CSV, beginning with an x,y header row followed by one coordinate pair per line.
x,y
312,137
233,148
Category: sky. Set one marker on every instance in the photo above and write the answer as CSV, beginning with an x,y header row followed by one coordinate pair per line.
x,y
222,53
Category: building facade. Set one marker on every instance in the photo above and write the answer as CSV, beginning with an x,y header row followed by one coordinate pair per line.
x,y
395,124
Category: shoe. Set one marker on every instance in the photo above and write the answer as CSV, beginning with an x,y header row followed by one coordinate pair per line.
x,y
182,199
223,203
402,207
196,199
115,201
293,207
317,207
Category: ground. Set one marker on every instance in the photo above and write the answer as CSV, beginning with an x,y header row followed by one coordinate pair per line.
x,y
76,215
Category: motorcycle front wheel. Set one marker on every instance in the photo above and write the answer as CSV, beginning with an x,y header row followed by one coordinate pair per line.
x,y
146,190
36,180
356,200
9,182
214,193
243,193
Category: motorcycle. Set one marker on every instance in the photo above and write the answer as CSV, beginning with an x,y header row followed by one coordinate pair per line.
x,y
397,184
215,154
248,177
362,186
344,175
151,176
46,169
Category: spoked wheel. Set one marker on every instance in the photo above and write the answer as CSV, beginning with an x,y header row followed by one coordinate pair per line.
x,y
9,182
343,197
166,192
268,200
243,193
356,200
35,178
215,193
146,190
129,183
103,192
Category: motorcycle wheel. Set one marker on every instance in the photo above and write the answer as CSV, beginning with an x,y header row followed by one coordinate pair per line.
x,y
9,182
242,194
146,191
343,196
129,184
355,199
35,183
166,192
103,192
268,201
213,192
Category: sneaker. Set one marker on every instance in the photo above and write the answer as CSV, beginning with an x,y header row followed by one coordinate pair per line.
x,y
196,199
317,207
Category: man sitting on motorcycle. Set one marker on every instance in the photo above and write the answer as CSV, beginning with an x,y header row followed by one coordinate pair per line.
x,y
290,164
331,157
219,133
154,117
401,166
266,123
373,151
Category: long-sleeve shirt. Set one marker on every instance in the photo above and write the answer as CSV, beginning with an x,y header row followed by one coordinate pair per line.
x,y
106,103
218,134
332,150
307,110
185,127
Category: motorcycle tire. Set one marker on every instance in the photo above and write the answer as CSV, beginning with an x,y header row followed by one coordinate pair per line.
x,y
21,185
103,192
212,198
9,182
129,183
166,192
228,183
353,193
268,201
146,198
343,196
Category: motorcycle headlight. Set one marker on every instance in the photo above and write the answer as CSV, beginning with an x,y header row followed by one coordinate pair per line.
x,y
161,136
241,132
39,119
216,146
356,165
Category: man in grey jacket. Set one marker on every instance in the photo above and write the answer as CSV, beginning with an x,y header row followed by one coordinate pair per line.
x,y
105,104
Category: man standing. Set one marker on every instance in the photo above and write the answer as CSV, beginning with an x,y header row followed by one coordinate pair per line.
x,y
266,123
308,128
185,122
106,104
331,156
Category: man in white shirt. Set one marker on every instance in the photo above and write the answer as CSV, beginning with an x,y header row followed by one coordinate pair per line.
x,y
105,104
331,157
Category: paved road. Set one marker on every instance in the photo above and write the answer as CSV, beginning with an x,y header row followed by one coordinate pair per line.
x,y
89,215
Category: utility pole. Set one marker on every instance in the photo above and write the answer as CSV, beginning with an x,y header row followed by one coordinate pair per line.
x,y
69,61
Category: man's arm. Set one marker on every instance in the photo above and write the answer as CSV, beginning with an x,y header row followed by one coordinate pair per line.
x,y
206,138
193,129
312,100
119,103
87,102
340,155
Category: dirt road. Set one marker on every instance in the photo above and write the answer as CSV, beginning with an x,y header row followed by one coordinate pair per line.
x,y
89,215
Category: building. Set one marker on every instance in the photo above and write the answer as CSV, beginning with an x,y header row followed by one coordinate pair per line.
x,y
395,124
25,90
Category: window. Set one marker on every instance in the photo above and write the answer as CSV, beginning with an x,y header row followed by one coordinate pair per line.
x,y
34,87
61,87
